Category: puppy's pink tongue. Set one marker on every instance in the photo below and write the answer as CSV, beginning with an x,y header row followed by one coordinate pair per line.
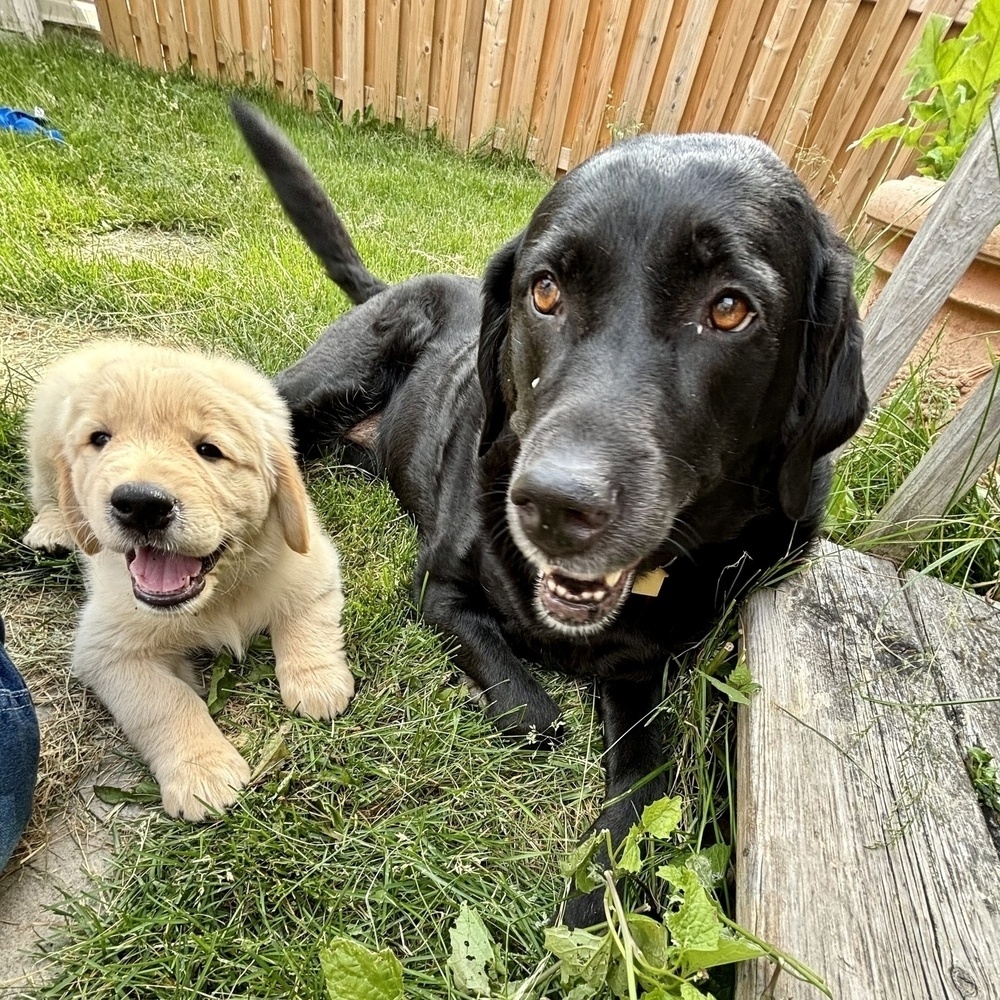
x,y
158,572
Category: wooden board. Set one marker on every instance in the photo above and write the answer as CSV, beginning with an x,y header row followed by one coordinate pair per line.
x,y
862,848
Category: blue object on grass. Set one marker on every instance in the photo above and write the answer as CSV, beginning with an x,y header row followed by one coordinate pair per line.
x,y
21,121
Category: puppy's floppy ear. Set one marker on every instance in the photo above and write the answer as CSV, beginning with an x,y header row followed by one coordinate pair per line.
x,y
829,402
72,512
492,337
290,499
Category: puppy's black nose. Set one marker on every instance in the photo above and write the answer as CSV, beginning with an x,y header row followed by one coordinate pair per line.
x,y
563,506
142,506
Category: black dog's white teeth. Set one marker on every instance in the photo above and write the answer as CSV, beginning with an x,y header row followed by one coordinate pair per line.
x,y
568,594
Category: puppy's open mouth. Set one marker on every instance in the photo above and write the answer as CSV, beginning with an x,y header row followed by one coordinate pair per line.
x,y
576,602
164,579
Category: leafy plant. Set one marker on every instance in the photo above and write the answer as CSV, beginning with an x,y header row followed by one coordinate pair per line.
x,y
985,781
632,954
962,74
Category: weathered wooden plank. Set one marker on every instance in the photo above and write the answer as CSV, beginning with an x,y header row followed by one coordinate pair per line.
x,y
200,38
527,49
684,65
833,130
116,27
468,72
386,58
451,56
862,849
173,32
967,447
811,77
288,63
353,41
20,17
228,40
147,34
769,68
724,53
418,60
629,97
956,227
492,50
604,58
317,44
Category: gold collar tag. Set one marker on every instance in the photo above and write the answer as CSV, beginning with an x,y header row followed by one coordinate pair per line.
x,y
649,584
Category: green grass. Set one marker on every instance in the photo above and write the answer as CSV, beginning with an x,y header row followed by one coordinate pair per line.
x,y
381,825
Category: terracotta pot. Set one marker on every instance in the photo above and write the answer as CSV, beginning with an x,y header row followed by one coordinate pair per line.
x,y
968,324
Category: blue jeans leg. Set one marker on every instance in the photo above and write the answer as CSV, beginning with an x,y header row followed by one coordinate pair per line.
x,y
18,754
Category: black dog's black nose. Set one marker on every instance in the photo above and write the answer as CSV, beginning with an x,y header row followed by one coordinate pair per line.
x,y
142,506
562,506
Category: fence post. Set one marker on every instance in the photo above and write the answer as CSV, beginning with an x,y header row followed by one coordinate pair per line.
x,y
964,214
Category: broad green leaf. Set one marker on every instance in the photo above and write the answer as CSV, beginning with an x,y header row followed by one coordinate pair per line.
x,y
695,924
741,678
222,683
688,992
924,61
579,865
980,65
729,950
652,939
710,864
472,955
661,818
352,972
631,857
584,956
881,133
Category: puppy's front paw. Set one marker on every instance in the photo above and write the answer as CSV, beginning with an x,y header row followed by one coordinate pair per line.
x,y
318,690
206,782
537,725
49,533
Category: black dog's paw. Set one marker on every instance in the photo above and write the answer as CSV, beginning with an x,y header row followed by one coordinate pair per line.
x,y
537,726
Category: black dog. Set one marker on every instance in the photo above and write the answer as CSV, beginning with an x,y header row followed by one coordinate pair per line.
x,y
642,388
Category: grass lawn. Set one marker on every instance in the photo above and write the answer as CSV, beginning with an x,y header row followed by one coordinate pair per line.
x,y
153,223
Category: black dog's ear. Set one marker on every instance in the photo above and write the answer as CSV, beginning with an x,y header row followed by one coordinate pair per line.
x,y
829,402
492,336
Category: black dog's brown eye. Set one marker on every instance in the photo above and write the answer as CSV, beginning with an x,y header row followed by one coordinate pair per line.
x,y
545,294
209,451
731,313
100,438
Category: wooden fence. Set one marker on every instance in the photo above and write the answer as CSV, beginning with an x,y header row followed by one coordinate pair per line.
x,y
559,79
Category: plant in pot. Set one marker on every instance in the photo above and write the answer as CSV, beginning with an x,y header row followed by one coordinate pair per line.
x,y
952,84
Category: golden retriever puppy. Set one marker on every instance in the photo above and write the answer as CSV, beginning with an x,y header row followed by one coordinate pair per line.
x,y
174,475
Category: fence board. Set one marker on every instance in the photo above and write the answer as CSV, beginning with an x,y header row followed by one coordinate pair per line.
x,y
492,50
468,71
955,229
173,34
638,70
598,72
806,75
353,42
228,40
684,65
527,51
386,58
855,85
768,70
288,63
420,37
147,34
967,447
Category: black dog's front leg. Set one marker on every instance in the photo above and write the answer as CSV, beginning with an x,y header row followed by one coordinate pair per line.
x,y
516,703
634,774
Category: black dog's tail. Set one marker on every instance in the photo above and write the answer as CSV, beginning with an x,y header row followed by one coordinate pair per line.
x,y
306,203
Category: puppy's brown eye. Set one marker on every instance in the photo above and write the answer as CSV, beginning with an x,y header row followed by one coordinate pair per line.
x,y
545,294
209,451
100,438
731,313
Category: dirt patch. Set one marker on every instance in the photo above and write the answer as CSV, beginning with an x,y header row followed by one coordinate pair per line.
x,y
157,245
